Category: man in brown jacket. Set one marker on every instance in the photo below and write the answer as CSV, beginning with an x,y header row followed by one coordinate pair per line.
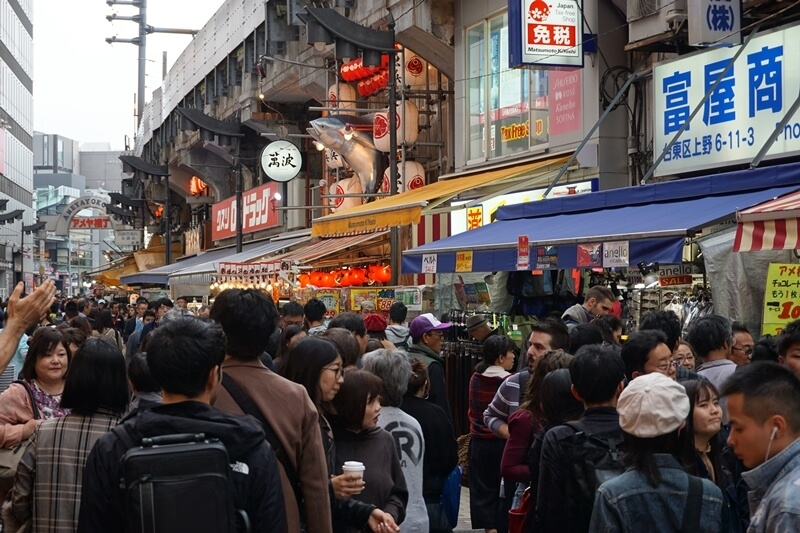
x,y
248,319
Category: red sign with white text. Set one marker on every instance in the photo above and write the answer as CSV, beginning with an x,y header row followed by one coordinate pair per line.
x,y
257,212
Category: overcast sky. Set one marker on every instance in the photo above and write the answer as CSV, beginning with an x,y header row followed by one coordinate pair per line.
x,y
84,87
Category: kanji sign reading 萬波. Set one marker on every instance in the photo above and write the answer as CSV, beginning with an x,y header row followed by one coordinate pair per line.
x,y
739,117
281,160
257,212
545,32
98,222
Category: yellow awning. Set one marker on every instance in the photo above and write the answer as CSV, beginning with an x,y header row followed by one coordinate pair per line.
x,y
112,276
406,208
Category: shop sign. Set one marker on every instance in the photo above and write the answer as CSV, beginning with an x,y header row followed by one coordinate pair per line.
x,y
523,253
99,222
615,254
741,113
464,261
474,217
715,22
411,297
675,275
547,258
545,32
257,213
281,160
8,265
128,237
515,131
386,298
429,263
589,255
565,101
192,240
460,222
781,297
359,295
330,297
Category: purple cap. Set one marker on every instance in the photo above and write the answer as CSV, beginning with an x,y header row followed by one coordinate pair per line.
x,y
425,323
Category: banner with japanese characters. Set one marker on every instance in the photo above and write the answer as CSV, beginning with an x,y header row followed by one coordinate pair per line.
x,y
258,212
739,117
781,297
545,32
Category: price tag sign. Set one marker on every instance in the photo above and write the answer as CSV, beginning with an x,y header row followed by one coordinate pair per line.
x,y
781,297
464,261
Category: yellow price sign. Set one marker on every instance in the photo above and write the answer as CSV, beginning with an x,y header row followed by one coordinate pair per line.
x,y
781,297
464,261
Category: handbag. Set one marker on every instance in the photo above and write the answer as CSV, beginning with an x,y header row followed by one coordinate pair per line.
x,y
10,457
516,517
451,496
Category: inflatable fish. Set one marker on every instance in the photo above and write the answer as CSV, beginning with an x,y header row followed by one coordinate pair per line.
x,y
360,153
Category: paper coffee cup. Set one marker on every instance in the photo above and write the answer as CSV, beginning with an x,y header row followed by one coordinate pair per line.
x,y
353,467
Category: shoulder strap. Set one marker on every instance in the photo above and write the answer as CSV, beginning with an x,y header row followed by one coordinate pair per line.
x,y
694,501
34,407
249,407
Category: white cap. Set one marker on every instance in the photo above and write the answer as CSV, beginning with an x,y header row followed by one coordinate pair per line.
x,y
652,405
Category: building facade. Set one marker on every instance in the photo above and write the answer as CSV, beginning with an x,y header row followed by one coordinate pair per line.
x,y
16,141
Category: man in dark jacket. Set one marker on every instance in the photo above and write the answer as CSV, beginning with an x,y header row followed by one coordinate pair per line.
x,y
185,359
598,377
427,334
598,301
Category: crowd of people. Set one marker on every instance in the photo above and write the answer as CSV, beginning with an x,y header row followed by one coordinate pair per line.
x,y
345,425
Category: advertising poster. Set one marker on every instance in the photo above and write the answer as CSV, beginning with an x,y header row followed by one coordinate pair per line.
x,y
589,255
386,297
546,257
464,261
411,297
359,295
781,297
331,299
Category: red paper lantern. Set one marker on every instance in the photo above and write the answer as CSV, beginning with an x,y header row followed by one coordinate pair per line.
x,y
304,280
315,279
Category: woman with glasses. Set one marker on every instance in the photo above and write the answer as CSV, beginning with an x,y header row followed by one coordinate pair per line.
x,y
486,449
684,356
315,363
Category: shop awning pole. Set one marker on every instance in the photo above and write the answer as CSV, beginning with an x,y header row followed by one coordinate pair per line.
x,y
699,106
633,77
777,131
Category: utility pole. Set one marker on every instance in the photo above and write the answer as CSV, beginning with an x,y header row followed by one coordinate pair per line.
x,y
141,42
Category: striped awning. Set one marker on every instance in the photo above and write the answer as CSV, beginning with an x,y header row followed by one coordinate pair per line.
x,y
772,225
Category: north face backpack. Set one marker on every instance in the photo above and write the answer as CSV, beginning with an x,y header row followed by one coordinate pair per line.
x,y
178,484
594,458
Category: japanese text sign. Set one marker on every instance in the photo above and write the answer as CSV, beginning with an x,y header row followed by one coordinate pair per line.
x,y
281,160
429,262
545,32
781,297
99,222
331,299
741,113
715,21
523,253
464,261
257,213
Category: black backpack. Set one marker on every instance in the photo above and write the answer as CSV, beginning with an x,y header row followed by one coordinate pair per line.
x,y
178,483
594,458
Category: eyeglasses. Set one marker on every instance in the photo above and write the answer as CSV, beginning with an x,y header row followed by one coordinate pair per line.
x,y
746,350
338,370
666,366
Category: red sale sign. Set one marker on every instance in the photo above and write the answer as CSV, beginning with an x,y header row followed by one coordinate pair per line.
x,y
257,212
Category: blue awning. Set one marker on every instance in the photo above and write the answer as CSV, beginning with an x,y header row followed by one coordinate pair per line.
x,y
160,275
655,219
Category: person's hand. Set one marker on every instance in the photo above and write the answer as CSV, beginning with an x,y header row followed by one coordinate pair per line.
x,y
29,310
382,522
346,485
30,427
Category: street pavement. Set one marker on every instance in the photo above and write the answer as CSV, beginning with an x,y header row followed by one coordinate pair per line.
x,y
464,525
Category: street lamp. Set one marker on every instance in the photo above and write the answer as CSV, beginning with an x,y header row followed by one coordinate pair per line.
x,y
325,26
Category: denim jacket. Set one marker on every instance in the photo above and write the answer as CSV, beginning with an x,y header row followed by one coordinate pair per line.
x,y
629,503
774,495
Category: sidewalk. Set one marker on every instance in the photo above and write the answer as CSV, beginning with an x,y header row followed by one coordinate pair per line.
x,y
464,525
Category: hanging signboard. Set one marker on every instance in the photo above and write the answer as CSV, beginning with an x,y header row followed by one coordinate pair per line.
x,y
741,113
590,256
546,258
545,33
97,222
523,253
128,237
429,263
615,254
257,212
715,22
675,275
464,261
281,160
781,297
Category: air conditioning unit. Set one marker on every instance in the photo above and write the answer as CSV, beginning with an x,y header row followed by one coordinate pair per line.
x,y
648,18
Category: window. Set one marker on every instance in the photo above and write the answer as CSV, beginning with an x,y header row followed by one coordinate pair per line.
x,y
507,108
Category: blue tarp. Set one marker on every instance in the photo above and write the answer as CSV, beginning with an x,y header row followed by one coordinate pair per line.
x,y
655,219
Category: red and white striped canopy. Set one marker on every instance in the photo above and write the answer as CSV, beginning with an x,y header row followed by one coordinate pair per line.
x,y
772,225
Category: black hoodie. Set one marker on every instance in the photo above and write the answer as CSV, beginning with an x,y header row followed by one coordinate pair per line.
x,y
258,492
